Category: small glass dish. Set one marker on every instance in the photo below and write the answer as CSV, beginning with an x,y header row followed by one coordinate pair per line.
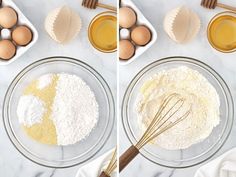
x,y
108,15
220,17
52,155
196,153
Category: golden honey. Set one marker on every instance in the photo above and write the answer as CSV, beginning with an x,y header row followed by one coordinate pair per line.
x,y
103,32
222,32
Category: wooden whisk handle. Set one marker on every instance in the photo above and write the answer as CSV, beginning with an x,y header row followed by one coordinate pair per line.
x,y
224,6
106,6
103,174
127,157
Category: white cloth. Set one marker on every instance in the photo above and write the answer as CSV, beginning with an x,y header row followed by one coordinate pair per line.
x,y
94,168
223,166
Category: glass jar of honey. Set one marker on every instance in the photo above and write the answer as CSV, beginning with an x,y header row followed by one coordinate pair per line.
x,y
221,32
102,32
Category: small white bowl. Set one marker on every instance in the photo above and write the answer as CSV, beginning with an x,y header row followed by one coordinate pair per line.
x,y
141,20
22,20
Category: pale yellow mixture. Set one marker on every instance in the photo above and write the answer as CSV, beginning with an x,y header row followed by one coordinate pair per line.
x,y
45,131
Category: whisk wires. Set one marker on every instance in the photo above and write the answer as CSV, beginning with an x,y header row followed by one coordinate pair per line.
x,y
162,120
113,163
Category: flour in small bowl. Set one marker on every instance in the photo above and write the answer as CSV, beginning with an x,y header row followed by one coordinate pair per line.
x,y
196,90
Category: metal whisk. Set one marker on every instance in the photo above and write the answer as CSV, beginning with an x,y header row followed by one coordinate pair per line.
x,y
111,166
166,117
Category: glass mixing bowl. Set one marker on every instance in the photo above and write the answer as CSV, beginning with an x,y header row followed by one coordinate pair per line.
x,y
52,155
196,153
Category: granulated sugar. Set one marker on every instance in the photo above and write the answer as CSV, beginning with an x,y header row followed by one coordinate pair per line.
x,y
197,91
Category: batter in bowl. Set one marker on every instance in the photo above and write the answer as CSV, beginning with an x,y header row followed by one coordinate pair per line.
x,y
197,92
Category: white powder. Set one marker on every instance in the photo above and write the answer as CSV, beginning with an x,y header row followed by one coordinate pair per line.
x,y
44,81
197,91
30,110
75,109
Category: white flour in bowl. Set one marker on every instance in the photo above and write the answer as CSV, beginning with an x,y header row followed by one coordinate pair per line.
x,y
197,91
62,105
74,111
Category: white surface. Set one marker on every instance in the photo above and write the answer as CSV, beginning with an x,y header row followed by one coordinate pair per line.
x,y
98,165
223,166
141,20
12,163
5,33
22,20
224,64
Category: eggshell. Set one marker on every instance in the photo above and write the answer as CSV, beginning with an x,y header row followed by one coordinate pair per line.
x,y
141,35
181,24
126,49
127,17
8,17
7,49
63,24
22,35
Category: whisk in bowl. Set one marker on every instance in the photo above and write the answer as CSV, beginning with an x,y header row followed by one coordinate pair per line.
x,y
111,166
169,114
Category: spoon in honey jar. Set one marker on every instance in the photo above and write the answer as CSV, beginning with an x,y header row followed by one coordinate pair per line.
x,y
93,4
212,4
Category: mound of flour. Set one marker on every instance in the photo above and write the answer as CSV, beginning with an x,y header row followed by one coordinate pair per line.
x,y
74,110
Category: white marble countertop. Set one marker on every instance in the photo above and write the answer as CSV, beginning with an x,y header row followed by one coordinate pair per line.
x,y
224,64
12,163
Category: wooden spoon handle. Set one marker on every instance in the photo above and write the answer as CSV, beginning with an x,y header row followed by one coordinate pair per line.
x,y
107,6
127,157
103,174
224,6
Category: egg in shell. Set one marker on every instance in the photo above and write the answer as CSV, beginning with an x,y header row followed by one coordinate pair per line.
x,y
8,17
127,17
7,49
22,35
141,35
126,49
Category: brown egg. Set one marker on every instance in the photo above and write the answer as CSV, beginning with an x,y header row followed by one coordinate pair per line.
x,y
8,17
22,35
127,17
7,49
126,49
141,35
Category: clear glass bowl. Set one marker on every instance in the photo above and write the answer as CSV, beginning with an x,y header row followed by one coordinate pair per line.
x,y
52,155
196,153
